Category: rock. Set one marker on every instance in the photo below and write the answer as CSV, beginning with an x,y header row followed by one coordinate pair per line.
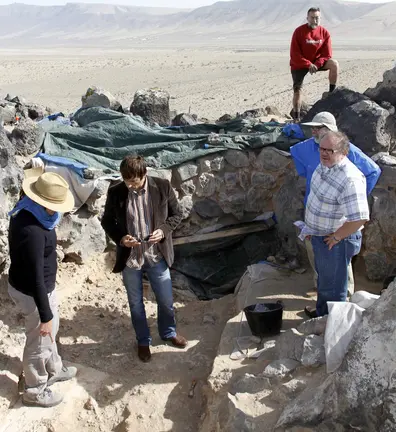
x,y
91,404
257,199
81,236
97,97
60,255
372,238
186,204
385,90
250,384
185,120
387,163
37,112
364,383
208,185
253,113
27,137
188,187
224,118
281,368
376,265
290,345
160,173
316,326
208,209
19,100
230,180
237,158
272,110
244,179
233,203
152,105
335,103
7,112
313,351
305,108
187,171
365,123
263,180
212,164
289,390
272,159
97,200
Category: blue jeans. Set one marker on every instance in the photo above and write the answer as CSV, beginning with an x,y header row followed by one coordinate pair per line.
x,y
161,284
332,268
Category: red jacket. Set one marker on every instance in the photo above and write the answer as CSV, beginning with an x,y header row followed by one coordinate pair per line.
x,y
310,46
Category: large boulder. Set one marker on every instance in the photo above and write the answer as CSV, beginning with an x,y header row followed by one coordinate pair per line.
x,y
37,112
7,112
98,97
27,137
360,395
185,119
152,105
385,90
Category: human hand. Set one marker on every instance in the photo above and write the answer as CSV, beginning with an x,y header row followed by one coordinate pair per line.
x,y
313,69
156,236
46,330
129,241
331,241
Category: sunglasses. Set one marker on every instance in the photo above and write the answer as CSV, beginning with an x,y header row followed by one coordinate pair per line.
x,y
327,151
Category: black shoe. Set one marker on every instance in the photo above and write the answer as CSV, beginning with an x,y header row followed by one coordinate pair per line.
x,y
144,353
310,312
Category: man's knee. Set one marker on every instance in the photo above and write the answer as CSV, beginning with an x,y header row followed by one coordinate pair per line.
x,y
332,64
297,89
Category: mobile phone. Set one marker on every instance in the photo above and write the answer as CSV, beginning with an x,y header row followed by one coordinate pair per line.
x,y
145,239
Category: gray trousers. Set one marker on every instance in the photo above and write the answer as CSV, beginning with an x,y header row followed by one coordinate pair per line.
x,y
40,356
311,257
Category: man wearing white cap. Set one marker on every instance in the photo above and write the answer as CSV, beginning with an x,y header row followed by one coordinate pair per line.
x,y
32,276
306,158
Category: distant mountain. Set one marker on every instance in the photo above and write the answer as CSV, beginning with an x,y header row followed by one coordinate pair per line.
x,y
108,25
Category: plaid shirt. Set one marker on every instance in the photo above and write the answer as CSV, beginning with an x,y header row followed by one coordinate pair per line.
x,y
140,225
338,195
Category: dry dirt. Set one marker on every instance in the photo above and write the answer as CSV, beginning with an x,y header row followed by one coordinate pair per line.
x,y
209,82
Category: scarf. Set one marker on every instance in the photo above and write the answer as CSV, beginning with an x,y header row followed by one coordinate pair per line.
x,y
38,211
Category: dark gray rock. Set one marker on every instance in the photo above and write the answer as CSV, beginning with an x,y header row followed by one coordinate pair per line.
x,y
366,125
257,199
377,265
152,105
252,113
266,181
237,158
27,137
224,118
272,159
185,120
385,90
187,171
335,103
208,208
37,112
7,112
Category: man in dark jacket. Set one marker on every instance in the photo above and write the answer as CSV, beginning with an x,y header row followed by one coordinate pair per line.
x,y
140,215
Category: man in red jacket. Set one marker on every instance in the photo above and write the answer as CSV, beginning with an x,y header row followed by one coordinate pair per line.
x,y
310,51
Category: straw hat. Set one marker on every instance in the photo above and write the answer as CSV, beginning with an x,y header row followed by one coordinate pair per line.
x,y
48,189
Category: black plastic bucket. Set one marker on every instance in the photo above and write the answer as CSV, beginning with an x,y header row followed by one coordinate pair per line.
x,y
265,319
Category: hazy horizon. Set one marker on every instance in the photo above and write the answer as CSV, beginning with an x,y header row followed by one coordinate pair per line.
x,y
150,3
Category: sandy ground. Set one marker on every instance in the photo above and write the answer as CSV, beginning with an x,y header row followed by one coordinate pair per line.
x,y
207,82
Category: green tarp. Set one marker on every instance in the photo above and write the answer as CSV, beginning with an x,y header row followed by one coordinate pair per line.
x,y
105,137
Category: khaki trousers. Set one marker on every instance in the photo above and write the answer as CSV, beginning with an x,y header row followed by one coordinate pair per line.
x,y
40,356
311,257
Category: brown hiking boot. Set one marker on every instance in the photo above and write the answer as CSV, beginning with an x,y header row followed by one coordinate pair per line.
x,y
177,341
144,353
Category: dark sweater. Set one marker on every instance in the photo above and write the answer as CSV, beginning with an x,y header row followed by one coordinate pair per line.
x,y
33,260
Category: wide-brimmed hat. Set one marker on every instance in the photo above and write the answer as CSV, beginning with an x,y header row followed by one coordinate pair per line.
x,y
324,118
49,190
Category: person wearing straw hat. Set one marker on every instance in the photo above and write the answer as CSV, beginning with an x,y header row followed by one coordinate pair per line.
x,y
306,157
32,275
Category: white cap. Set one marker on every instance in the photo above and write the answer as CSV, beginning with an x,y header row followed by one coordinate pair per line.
x,y
323,119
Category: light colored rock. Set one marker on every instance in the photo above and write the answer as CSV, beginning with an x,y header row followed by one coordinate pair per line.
x,y
187,171
289,390
208,185
316,326
188,187
234,204
364,383
81,236
98,97
237,158
257,199
186,204
160,173
249,383
313,351
184,119
152,105
281,368
7,112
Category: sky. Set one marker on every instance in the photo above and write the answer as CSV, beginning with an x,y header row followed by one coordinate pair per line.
x,y
155,3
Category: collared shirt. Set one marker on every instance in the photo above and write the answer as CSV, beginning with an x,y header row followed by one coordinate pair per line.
x,y
307,158
140,225
338,195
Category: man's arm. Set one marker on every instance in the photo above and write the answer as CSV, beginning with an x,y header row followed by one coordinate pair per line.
x,y
34,246
109,220
174,213
296,54
326,52
367,166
